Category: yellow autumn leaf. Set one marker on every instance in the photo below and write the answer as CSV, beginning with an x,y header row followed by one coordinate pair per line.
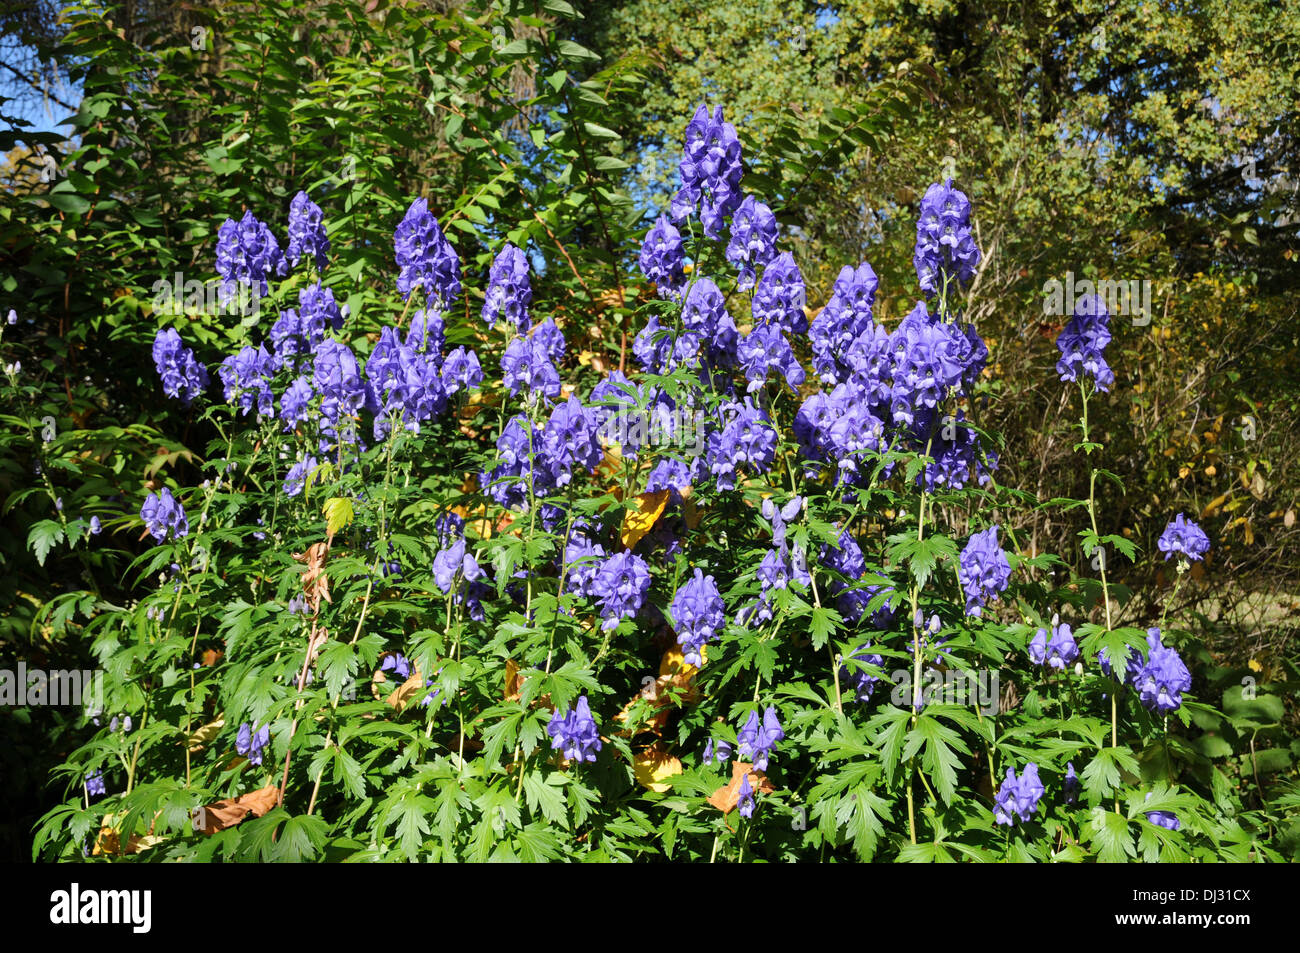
x,y
653,766
202,736
641,518
338,514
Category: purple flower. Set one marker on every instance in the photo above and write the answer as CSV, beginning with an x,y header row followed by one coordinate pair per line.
x,y
1082,342
1071,784
584,559
337,378
251,740
294,403
306,232
1018,797
985,570
698,614
425,257
460,371
945,246
846,317
1166,819
1161,681
1184,538
756,740
454,560
719,754
95,783
766,349
95,527
509,292
296,478
710,171
1059,651
746,797
527,364
620,584
661,258
248,253
747,439
574,733
753,240
398,664
164,516
669,474
863,683
569,440
182,376
780,297
246,378
515,449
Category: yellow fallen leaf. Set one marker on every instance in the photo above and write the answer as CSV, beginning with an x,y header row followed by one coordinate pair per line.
x,y
652,766
205,734
641,518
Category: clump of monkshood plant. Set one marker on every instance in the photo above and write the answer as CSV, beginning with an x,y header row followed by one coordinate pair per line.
x,y
721,517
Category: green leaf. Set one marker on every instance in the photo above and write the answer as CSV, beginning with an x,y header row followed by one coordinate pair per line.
x,y
43,537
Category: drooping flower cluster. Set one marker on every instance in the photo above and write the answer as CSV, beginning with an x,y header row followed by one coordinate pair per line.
x,y
251,741
337,379
661,258
509,292
710,169
847,315
246,379
620,584
1160,683
1160,679
783,565
946,254
756,739
95,784
1183,538
248,253
297,333
182,376
753,240
1018,797
1083,341
698,615
985,570
1058,651
164,516
574,733
425,258
307,237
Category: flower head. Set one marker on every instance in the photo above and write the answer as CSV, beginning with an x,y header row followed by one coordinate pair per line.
x,y
985,570
1083,341
1183,538
248,253
575,733
425,257
1018,797
509,292
251,740
306,232
164,516
698,614
182,376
